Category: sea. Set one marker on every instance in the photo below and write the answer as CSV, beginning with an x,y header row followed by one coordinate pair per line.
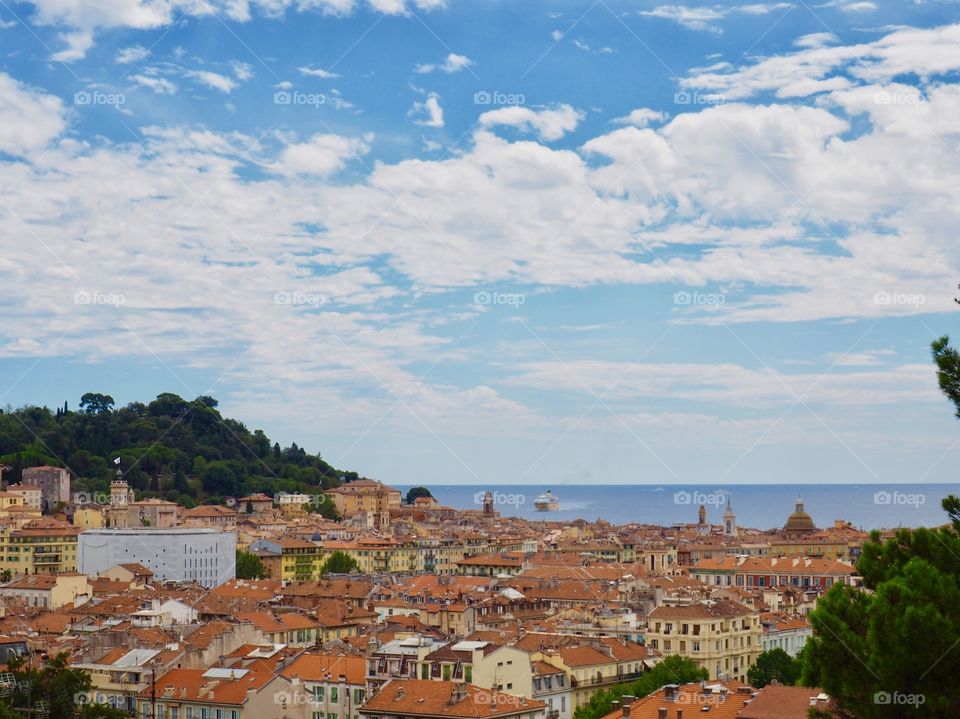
x,y
760,506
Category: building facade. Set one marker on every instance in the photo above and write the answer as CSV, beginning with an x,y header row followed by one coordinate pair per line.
x,y
205,556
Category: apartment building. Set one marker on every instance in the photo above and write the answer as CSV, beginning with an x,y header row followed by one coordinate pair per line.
x,y
723,636
223,693
366,495
50,591
289,558
42,545
336,684
54,484
760,572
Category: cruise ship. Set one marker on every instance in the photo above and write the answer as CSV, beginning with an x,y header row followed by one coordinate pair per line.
x,y
547,502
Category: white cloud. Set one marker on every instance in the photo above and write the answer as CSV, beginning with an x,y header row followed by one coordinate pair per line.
x,y
134,53
243,70
212,80
428,113
159,85
317,72
641,117
321,155
451,64
708,17
934,51
548,125
82,19
29,119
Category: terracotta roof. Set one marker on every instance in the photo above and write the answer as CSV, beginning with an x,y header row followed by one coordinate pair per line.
x,y
423,697
780,702
716,700
719,608
191,685
319,667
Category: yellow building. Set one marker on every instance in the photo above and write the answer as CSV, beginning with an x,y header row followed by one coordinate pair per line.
x,y
40,546
723,636
89,516
366,495
374,554
289,559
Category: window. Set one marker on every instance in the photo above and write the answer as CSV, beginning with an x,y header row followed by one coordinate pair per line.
x,y
334,695
318,693
358,694
468,674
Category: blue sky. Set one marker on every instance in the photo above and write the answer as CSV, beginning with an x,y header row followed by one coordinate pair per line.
x,y
495,242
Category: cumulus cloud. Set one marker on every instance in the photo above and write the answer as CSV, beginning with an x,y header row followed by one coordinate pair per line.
x,y
641,117
29,118
550,124
320,155
428,113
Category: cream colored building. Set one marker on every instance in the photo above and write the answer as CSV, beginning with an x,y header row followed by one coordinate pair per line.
x,y
50,591
722,636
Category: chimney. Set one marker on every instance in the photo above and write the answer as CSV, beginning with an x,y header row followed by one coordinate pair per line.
x,y
400,693
625,701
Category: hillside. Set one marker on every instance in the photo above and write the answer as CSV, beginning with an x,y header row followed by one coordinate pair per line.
x,y
179,449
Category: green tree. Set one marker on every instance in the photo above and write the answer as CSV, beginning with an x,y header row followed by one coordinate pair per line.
x,y
249,566
774,664
96,403
673,669
415,492
339,563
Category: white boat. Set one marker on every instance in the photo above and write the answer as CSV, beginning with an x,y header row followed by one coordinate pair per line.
x,y
547,502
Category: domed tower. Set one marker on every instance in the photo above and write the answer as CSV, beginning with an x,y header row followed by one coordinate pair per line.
x,y
799,523
729,521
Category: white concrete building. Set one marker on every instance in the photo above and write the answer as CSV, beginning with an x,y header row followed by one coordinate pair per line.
x,y
206,556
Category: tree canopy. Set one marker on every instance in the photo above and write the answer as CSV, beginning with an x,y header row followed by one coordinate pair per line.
x,y
892,651
673,669
416,492
339,563
772,665
249,566
171,447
